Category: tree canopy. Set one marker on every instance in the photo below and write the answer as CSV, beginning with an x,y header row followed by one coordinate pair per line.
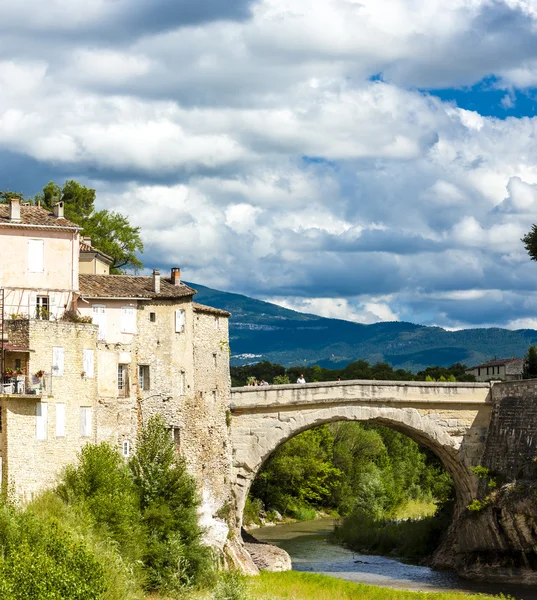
x,y
530,242
110,231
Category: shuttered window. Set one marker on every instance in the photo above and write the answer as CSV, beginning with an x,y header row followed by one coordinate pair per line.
x,y
58,361
89,363
128,319
126,448
35,256
41,420
60,420
182,383
85,421
99,318
179,321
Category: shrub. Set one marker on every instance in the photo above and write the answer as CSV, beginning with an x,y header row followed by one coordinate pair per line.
x,y
175,556
101,483
43,562
231,586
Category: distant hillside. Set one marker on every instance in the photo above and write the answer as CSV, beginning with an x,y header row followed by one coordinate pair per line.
x,y
264,331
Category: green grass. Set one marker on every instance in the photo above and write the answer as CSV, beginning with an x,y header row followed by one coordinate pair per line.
x,y
292,585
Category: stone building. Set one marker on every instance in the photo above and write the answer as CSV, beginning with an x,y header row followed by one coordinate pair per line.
x,y
506,369
100,356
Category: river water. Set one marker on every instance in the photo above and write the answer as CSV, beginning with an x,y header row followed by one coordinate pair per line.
x,y
307,544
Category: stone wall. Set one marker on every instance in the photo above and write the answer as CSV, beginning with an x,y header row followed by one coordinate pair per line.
x,y
30,464
205,438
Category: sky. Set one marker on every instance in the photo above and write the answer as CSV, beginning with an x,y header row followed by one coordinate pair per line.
x,y
361,159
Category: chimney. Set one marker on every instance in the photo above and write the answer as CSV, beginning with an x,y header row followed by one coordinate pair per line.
x,y
15,210
58,210
86,240
156,281
176,276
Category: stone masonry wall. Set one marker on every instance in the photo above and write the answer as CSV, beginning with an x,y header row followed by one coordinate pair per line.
x,y
205,439
512,437
29,464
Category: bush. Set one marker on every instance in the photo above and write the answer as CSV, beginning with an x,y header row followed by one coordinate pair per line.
x,y
252,511
175,556
101,483
231,586
43,562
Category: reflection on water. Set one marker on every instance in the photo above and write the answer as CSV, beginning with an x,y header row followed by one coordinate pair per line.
x,y
307,545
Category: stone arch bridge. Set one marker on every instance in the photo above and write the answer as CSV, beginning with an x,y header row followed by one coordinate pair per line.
x,y
451,419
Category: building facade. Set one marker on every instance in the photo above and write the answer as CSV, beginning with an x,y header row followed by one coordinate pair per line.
x,y
506,369
101,357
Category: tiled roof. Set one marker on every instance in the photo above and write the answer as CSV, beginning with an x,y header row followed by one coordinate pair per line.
x,y
129,286
209,309
85,248
500,362
36,216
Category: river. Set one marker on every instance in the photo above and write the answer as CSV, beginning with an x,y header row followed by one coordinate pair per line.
x,y
306,542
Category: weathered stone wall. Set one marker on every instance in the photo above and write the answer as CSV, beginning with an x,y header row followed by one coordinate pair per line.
x,y
29,464
511,446
205,439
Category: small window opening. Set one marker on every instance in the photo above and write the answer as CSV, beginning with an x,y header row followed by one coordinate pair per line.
x,y
123,380
126,448
143,377
42,308
152,317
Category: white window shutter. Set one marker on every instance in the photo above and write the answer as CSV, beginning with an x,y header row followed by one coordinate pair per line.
x,y
179,321
60,420
58,359
85,421
41,420
35,256
89,363
128,319
99,318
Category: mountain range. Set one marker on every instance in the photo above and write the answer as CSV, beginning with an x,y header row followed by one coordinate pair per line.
x,y
260,330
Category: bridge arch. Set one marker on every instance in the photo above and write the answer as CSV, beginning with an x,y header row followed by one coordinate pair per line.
x,y
449,419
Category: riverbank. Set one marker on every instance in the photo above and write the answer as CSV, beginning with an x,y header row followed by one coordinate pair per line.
x,y
293,585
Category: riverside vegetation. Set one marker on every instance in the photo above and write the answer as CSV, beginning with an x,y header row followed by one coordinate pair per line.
x,y
373,477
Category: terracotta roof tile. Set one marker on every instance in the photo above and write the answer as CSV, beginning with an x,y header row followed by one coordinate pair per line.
x,y
86,248
34,215
210,309
129,286
500,362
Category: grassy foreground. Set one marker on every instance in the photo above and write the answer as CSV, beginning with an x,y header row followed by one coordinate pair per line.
x,y
292,585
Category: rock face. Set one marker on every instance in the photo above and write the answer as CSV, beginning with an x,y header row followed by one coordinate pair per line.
x,y
265,556
498,542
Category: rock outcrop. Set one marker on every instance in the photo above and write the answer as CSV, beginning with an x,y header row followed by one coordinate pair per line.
x,y
265,556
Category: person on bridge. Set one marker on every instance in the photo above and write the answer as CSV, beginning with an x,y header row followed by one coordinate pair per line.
x,y
301,379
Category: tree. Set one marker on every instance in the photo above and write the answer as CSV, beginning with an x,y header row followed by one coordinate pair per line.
x,y
530,364
530,242
110,231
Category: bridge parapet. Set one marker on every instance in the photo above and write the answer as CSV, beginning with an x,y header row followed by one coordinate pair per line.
x,y
401,393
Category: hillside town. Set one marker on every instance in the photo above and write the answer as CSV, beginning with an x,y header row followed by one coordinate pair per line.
x,y
87,356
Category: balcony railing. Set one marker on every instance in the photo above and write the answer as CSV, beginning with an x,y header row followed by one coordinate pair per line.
x,y
23,385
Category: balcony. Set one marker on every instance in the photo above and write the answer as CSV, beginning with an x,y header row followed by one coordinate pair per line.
x,y
22,385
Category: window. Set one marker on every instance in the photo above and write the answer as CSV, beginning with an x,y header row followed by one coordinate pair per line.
x,y
99,318
18,364
123,380
41,420
216,322
60,420
88,363
152,317
213,396
479,372
58,359
215,360
126,450
35,256
182,383
42,308
128,319
176,433
143,377
85,421
179,321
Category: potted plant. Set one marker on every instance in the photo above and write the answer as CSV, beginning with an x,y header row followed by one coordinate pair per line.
x,y
39,374
9,373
